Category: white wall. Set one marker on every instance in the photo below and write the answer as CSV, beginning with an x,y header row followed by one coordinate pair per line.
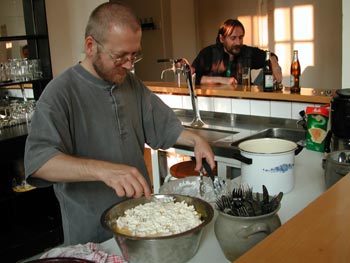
x,y
183,29
66,21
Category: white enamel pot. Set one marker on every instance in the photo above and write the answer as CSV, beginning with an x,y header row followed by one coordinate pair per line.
x,y
272,164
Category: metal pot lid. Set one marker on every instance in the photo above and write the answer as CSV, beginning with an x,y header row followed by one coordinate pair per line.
x,y
343,92
267,146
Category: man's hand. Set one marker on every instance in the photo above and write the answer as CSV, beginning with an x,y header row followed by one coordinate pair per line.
x,y
276,69
125,180
201,148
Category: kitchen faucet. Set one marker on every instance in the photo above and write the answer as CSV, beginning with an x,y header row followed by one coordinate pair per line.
x,y
181,66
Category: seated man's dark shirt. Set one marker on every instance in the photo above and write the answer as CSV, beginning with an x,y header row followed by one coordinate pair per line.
x,y
214,61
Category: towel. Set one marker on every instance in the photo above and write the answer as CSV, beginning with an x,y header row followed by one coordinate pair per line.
x,y
89,251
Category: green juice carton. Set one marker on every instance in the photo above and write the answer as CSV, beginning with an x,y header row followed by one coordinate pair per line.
x,y
317,127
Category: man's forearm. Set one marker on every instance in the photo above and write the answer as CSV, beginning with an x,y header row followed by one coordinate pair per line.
x,y
65,168
217,80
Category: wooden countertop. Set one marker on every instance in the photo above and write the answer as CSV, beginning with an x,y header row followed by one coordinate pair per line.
x,y
255,92
319,233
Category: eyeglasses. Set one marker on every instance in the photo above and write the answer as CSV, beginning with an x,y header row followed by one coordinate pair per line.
x,y
120,60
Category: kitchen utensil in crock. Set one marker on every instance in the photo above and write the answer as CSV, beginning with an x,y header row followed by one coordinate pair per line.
x,y
242,202
237,234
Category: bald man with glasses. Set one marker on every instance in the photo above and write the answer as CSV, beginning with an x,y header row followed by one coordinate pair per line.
x,y
91,123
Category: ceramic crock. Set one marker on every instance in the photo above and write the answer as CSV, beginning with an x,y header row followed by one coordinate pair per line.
x,y
272,164
236,235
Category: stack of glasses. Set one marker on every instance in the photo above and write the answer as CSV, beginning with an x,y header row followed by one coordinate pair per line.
x,y
18,69
16,112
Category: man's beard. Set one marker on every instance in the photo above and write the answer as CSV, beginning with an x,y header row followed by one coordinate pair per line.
x,y
110,76
234,50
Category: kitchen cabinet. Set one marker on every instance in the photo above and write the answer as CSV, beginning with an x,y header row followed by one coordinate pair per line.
x,y
30,221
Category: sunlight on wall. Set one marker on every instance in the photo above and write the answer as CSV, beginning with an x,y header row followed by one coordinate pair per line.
x,y
303,23
283,52
293,30
282,24
263,32
256,30
247,22
306,54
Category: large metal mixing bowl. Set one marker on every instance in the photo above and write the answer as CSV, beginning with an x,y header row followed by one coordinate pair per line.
x,y
175,248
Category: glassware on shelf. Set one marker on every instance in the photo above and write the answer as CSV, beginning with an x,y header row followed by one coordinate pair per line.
x,y
20,70
16,112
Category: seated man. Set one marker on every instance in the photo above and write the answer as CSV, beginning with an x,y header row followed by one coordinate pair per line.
x,y
221,62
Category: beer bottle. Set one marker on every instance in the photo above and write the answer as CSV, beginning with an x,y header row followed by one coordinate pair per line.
x,y
267,72
295,73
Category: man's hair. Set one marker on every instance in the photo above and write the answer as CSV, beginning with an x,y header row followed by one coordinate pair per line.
x,y
110,14
227,28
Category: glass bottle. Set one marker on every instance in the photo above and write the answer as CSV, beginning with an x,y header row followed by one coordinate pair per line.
x,y
295,73
267,72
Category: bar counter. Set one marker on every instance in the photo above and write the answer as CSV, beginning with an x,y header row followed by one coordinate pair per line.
x,y
311,95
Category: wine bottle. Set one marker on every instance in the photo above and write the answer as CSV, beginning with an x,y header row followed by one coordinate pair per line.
x,y
267,72
295,73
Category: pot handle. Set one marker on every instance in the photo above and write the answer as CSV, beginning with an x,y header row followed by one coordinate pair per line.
x,y
298,149
238,156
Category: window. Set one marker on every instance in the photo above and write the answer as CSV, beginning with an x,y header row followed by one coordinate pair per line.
x,y
294,30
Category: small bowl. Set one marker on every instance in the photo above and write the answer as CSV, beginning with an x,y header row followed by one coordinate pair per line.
x,y
174,248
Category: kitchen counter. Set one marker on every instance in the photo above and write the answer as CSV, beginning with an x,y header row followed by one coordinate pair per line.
x,y
309,176
319,233
309,184
311,95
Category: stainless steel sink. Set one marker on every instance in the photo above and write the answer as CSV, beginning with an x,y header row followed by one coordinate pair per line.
x,y
295,135
212,135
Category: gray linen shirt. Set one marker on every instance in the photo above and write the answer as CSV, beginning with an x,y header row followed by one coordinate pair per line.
x,y
81,115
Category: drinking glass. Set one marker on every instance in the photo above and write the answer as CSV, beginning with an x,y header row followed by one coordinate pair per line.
x,y
245,77
36,68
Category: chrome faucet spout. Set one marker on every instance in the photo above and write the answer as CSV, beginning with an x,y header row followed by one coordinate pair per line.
x,y
181,66
197,120
165,70
176,68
